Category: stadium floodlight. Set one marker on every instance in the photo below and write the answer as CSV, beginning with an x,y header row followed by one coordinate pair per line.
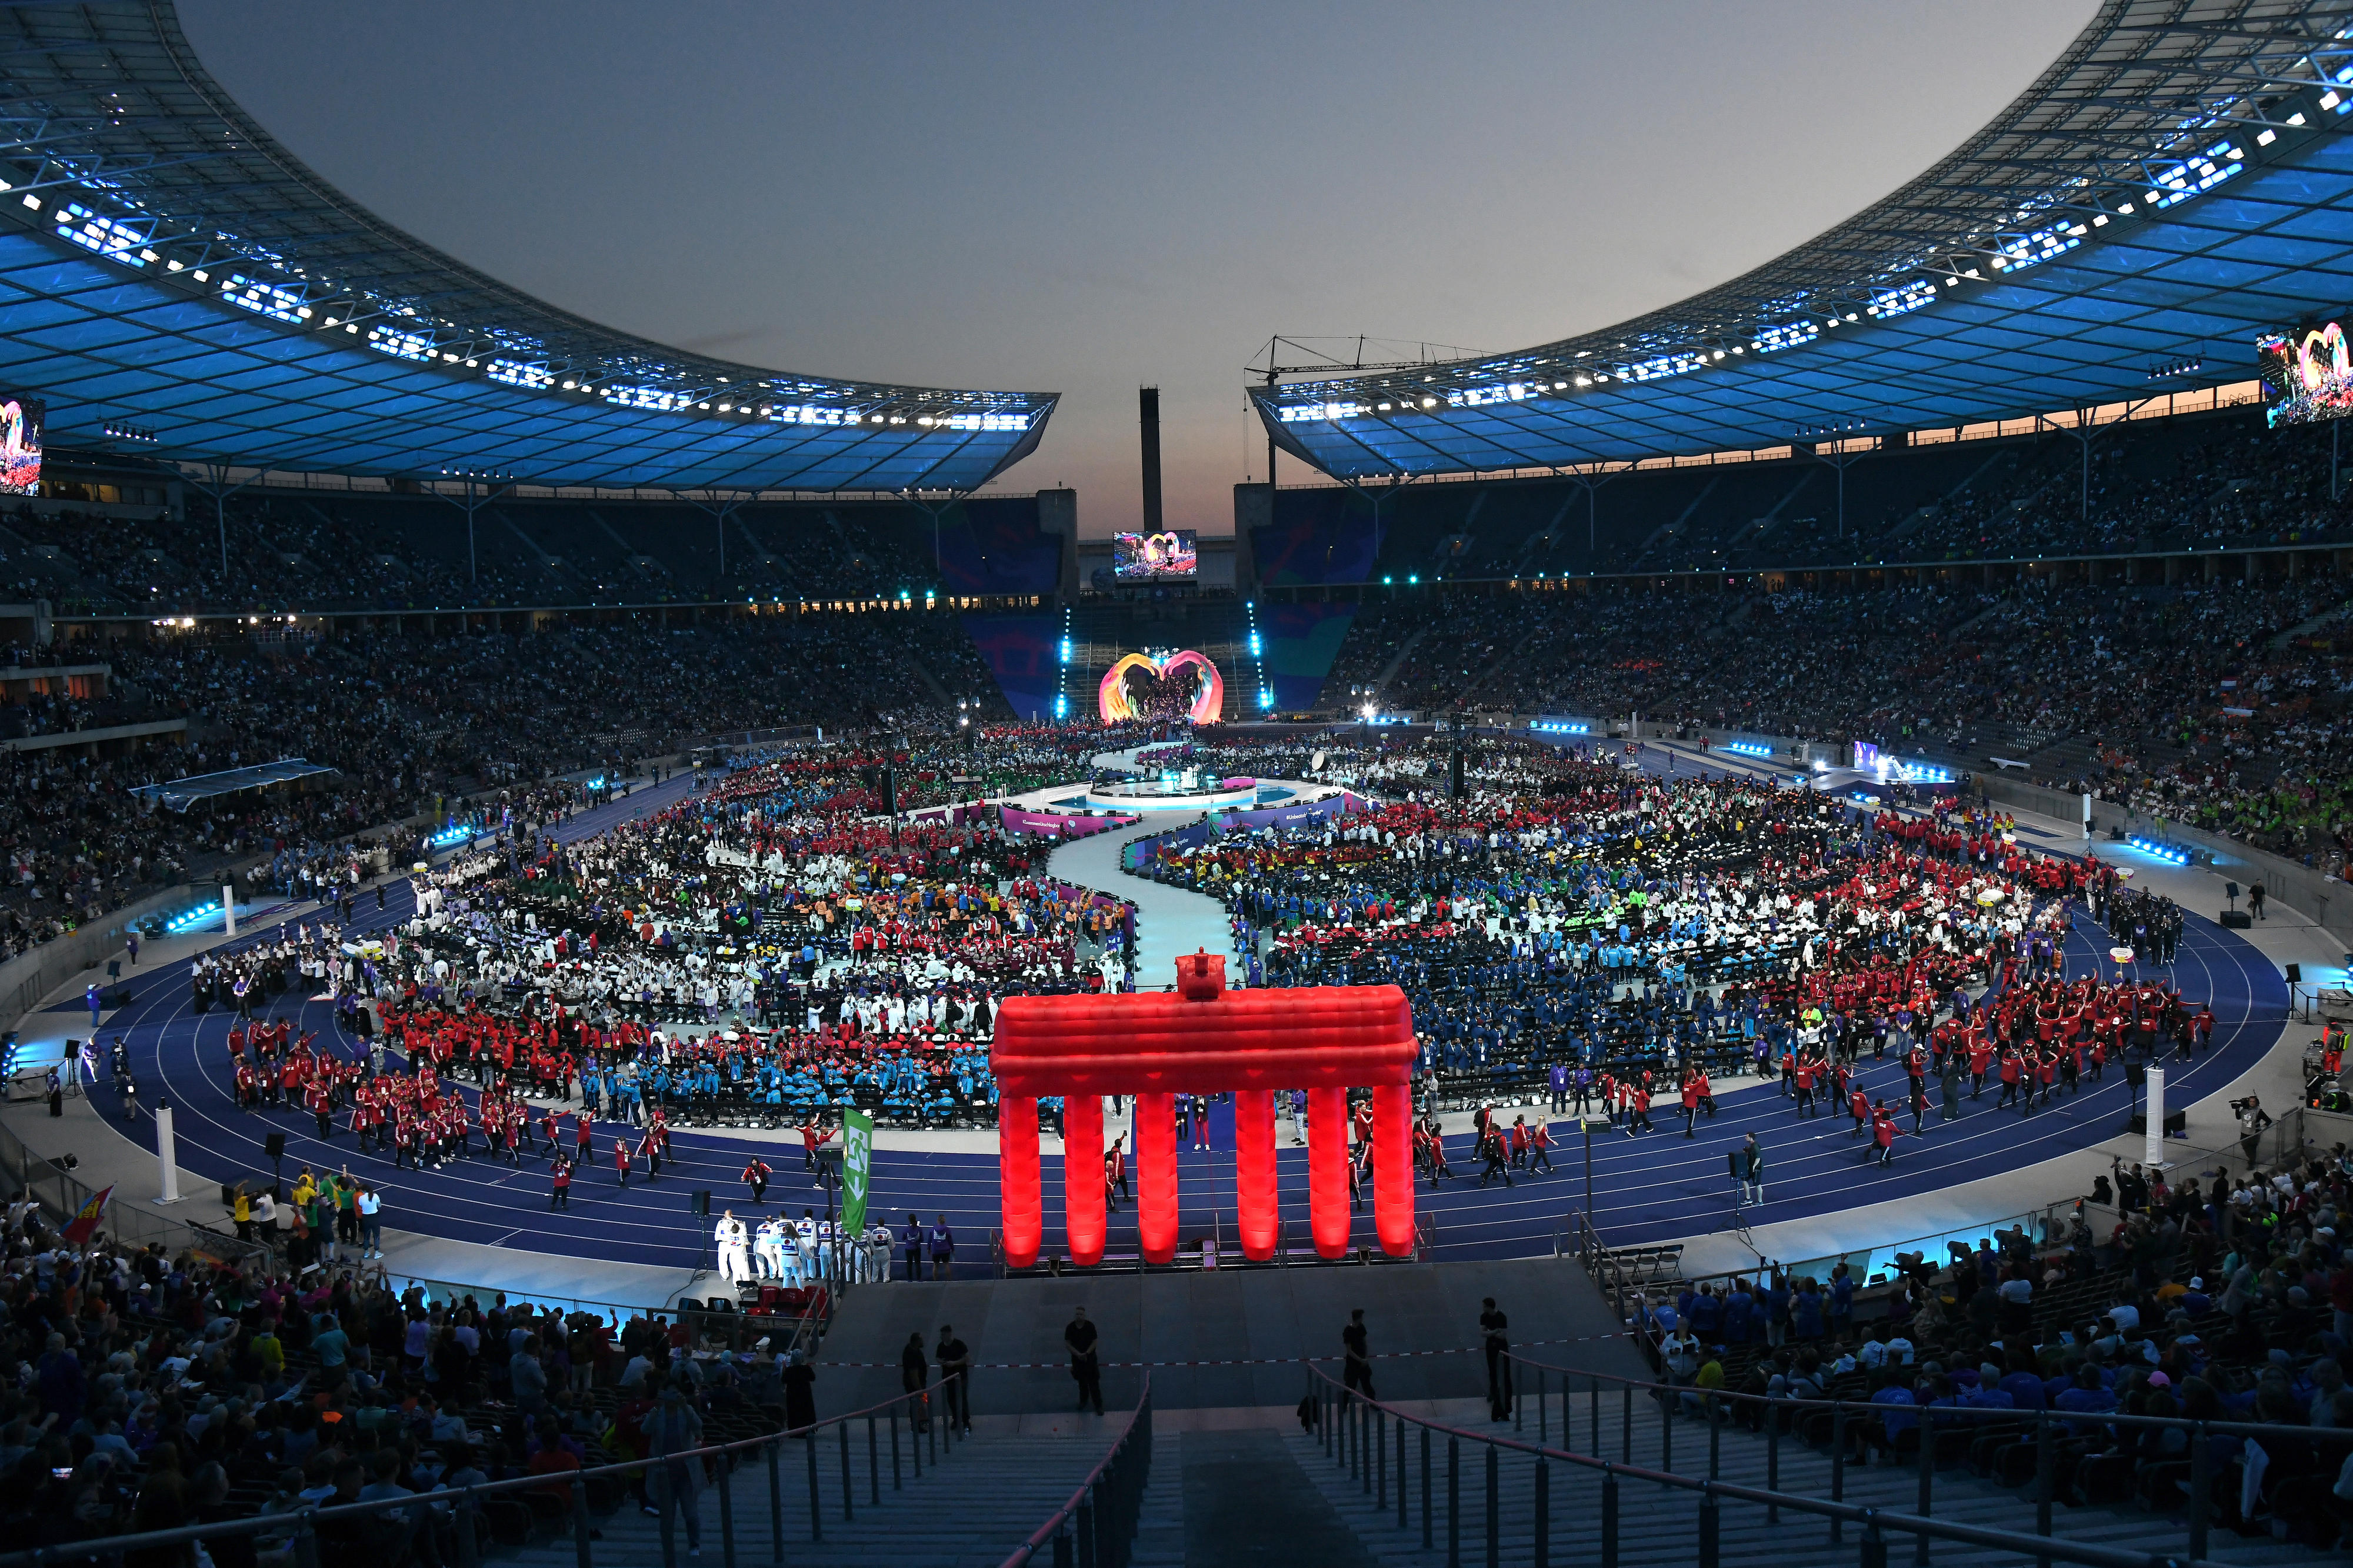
x,y
262,299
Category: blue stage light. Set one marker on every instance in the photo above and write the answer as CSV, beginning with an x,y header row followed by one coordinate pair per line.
x,y
2171,854
188,920
1748,748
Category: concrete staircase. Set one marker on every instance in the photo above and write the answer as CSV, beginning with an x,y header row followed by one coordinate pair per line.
x,y
976,1501
1658,1525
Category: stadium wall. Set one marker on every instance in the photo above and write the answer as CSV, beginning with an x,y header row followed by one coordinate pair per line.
x,y
1020,652
1302,641
31,976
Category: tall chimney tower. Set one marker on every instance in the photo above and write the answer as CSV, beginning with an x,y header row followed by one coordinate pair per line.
x,y
1147,401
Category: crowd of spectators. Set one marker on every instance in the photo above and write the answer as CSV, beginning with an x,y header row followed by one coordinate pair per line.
x,y
2193,482
334,551
414,725
150,1391
2223,1295
2214,702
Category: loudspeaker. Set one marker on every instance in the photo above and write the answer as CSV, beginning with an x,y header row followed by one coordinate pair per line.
x,y
2136,1074
702,1202
2176,1123
2237,920
2295,974
2230,889
275,1146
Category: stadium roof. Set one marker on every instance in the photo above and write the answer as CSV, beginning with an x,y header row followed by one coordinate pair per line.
x,y
2178,183
173,281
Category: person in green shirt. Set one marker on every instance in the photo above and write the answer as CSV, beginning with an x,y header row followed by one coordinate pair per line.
x,y
347,1197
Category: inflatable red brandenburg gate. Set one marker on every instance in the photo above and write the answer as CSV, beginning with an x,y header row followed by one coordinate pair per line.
x,y
1204,1039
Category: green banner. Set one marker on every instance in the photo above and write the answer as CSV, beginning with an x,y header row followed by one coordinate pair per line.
x,y
857,1168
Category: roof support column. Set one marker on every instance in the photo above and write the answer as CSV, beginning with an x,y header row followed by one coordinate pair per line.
x,y
1377,499
474,502
718,512
216,485
915,498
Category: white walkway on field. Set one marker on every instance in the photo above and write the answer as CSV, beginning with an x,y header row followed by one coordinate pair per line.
x,y
1168,920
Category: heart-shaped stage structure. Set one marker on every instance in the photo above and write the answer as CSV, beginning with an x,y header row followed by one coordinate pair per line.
x,y
1112,699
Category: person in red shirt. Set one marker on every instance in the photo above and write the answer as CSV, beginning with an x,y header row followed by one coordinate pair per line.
x,y
1539,1146
621,1160
561,1177
1857,1105
1691,1102
1883,1131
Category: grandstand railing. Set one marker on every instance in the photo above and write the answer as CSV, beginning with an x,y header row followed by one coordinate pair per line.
x,y
1357,1432
930,1439
2046,1429
61,1196
1097,1525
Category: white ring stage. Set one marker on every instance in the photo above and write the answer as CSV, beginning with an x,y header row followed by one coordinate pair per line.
x,y
1159,794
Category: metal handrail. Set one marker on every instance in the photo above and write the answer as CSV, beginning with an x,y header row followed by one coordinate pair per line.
x,y
305,1520
1937,1415
1874,1522
1082,1502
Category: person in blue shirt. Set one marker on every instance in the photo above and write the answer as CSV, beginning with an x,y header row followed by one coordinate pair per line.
x,y
1893,1387
1842,1299
1739,1310
1989,1393
1806,1311
2021,1383
2087,1395
1705,1313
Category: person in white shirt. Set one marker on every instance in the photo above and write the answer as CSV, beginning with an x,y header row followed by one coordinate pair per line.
x,y
805,1240
829,1257
734,1261
767,1246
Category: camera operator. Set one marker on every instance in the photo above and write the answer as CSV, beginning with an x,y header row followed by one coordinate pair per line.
x,y
2252,1119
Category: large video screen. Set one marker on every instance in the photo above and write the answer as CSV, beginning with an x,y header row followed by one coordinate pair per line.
x,y
20,445
2306,378
1155,557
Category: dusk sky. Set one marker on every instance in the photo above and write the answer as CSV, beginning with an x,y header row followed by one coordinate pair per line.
x,y
1084,199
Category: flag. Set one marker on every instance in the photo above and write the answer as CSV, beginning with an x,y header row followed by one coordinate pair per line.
x,y
856,1167
85,1223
